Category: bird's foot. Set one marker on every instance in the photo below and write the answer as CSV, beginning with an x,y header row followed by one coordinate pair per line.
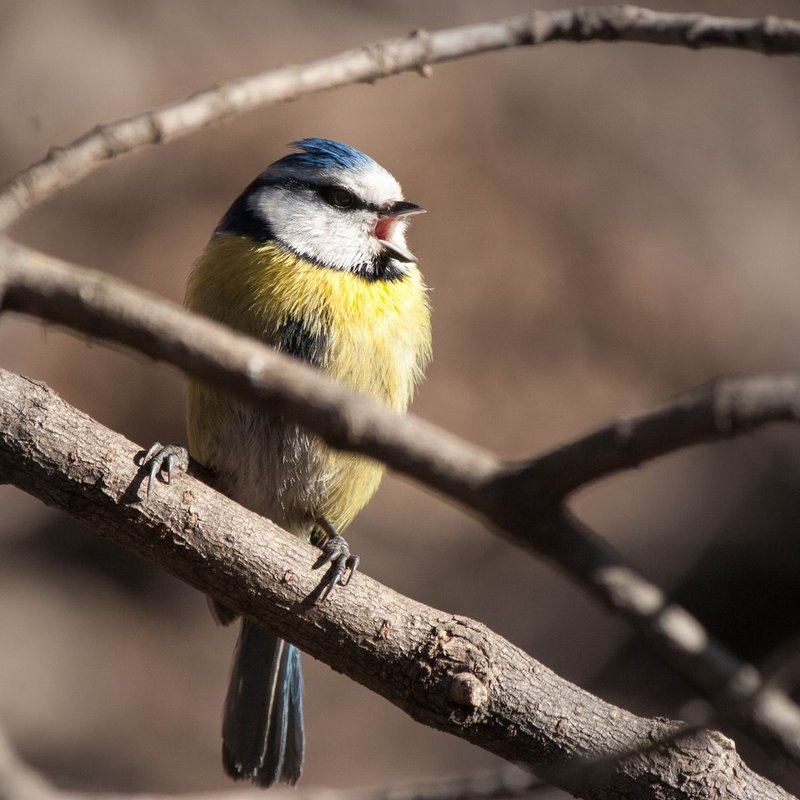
x,y
164,459
335,551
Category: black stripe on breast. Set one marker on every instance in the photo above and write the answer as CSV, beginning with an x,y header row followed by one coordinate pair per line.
x,y
298,340
383,268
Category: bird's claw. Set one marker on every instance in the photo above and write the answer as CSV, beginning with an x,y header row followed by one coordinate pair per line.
x,y
335,551
166,459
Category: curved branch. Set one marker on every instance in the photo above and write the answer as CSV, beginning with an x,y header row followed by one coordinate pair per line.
x,y
63,166
110,309
717,410
448,672
107,308
17,780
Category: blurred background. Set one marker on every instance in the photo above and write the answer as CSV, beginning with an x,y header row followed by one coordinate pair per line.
x,y
608,225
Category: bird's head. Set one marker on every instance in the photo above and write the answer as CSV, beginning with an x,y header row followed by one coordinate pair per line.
x,y
331,204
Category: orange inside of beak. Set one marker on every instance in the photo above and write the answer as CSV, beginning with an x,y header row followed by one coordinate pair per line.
x,y
383,228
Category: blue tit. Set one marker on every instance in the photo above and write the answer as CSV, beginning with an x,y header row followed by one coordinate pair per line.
x,y
311,258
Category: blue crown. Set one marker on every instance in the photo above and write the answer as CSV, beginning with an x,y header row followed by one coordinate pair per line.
x,y
325,154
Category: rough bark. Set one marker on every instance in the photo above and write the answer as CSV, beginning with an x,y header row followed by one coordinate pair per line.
x,y
527,512
446,671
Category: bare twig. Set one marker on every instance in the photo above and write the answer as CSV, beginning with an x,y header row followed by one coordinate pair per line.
x,y
108,308
718,410
414,656
17,780
504,784
524,501
64,166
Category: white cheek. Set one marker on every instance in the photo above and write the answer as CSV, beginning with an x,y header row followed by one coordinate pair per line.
x,y
398,233
342,240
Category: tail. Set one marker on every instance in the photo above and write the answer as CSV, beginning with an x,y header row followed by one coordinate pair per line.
x,y
262,730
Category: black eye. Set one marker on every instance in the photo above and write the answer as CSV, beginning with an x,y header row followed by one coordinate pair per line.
x,y
336,196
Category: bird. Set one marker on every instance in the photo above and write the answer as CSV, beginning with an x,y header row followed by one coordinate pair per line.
x,y
311,258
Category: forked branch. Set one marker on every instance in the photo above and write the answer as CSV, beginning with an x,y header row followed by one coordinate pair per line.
x,y
448,672
382,631
109,309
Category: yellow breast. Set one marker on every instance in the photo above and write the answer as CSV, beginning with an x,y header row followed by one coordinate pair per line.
x,y
376,335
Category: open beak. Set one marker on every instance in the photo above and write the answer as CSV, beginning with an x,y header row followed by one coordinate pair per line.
x,y
397,251
402,208
398,209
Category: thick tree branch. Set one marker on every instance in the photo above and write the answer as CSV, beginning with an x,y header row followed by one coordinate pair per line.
x,y
419,50
108,308
445,671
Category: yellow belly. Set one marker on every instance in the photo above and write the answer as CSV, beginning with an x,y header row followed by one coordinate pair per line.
x,y
377,336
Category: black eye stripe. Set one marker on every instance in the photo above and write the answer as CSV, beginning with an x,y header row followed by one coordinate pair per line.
x,y
320,188
337,196
325,190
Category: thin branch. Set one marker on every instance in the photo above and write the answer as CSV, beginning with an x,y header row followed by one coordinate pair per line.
x,y
736,689
63,166
17,780
718,410
107,308
445,671
110,309
503,784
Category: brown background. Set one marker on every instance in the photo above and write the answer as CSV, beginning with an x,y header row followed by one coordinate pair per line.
x,y
608,225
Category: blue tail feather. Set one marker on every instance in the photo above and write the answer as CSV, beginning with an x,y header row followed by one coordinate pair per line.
x,y
262,730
